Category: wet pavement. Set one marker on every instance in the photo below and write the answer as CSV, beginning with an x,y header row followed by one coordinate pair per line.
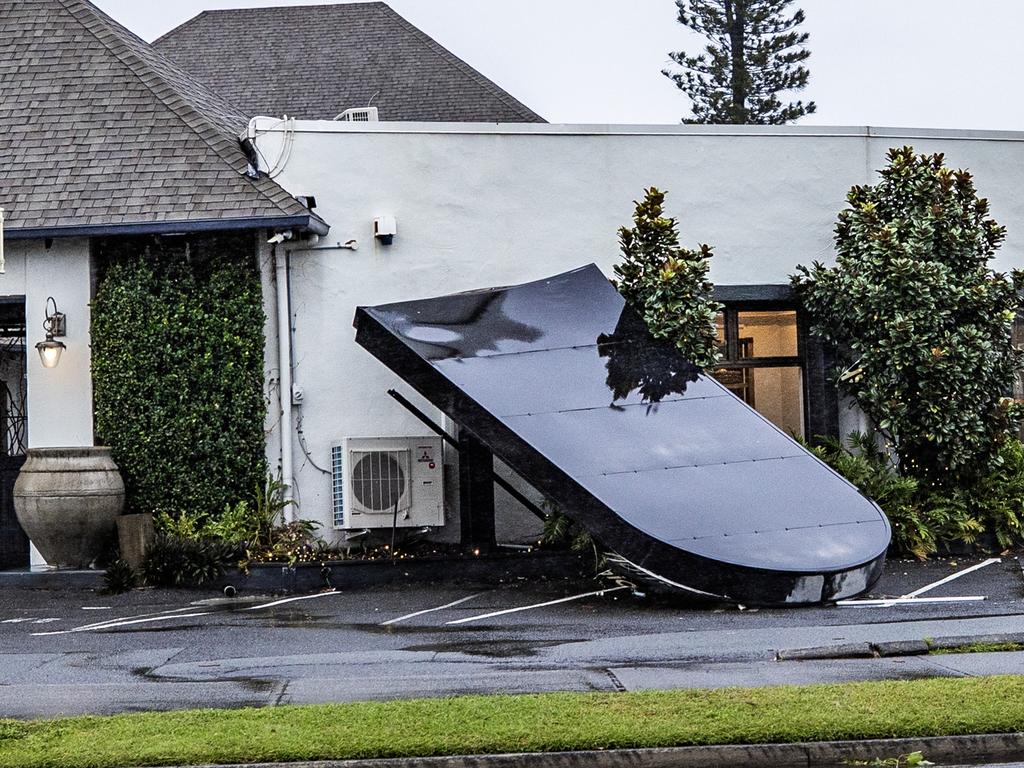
x,y
74,651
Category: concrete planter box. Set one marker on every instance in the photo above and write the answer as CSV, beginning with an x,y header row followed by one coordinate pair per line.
x,y
361,574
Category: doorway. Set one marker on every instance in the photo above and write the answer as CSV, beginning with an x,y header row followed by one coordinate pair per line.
x,y
14,546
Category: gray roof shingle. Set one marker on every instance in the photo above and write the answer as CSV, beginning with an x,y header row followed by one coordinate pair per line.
x,y
313,62
99,131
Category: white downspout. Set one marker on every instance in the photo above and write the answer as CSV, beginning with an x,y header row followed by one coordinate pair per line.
x,y
284,352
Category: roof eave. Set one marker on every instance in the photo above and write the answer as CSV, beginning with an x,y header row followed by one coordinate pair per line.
x,y
306,222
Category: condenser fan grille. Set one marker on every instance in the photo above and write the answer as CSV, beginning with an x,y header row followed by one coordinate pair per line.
x,y
380,479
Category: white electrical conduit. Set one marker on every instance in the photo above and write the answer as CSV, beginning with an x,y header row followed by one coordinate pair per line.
x,y
284,362
3,263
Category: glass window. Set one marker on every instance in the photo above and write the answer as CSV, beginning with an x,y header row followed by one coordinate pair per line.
x,y
778,395
767,334
761,364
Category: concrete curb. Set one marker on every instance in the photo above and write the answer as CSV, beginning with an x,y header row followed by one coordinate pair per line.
x,y
939,749
844,651
52,580
897,647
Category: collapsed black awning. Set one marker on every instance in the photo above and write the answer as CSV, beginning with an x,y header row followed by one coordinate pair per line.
x,y
687,485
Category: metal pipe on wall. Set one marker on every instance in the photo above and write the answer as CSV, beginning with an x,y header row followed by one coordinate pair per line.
x,y
284,354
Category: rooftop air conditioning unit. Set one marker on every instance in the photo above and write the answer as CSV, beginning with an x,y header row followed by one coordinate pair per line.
x,y
383,481
359,115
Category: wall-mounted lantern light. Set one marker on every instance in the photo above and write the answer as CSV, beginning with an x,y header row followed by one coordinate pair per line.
x,y
54,325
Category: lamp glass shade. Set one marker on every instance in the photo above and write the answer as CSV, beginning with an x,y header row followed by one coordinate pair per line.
x,y
49,352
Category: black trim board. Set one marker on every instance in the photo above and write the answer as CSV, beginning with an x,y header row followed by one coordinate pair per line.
x,y
769,293
311,223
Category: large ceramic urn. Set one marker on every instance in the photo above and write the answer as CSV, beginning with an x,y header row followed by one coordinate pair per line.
x,y
68,501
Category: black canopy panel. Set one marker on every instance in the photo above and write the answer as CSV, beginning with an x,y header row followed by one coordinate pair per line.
x,y
687,484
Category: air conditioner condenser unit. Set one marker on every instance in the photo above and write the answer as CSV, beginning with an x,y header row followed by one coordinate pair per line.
x,y
383,481
359,115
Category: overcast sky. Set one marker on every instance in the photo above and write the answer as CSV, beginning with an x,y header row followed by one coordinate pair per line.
x,y
900,63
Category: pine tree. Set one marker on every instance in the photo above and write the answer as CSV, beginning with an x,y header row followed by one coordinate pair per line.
x,y
668,285
754,52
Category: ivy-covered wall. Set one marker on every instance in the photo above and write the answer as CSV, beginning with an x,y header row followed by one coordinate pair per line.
x,y
177,364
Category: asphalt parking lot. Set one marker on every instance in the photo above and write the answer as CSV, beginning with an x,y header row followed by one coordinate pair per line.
x,y
76,651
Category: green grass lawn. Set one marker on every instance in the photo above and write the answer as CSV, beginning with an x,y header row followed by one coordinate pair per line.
x,y
550,722
979,648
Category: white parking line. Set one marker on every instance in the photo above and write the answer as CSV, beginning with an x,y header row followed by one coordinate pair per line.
x,y
292,600
101,624
28,620
914,597
137,616
536,605
884,602
145,618
430,610
957,575
115,624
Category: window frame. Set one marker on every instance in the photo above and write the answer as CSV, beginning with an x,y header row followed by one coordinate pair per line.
x,y
819,396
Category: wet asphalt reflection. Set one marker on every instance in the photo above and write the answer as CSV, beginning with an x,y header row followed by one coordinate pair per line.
x,y
74,651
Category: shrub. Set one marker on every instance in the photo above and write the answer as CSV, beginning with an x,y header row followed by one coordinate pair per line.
x,y
668,285
119,578
174,561
999,495
927,520
194,547
177,357
873,473
921,324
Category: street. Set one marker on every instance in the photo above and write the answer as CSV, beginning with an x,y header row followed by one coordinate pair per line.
x,y
75,651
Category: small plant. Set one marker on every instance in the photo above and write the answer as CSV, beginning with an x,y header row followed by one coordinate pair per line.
x,y
873,472
909,759
187,525
926,519
119,578
291,543
999,495
174,561
194,548
560,531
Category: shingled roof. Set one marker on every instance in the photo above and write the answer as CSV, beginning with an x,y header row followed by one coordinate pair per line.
x,y
313,62
100,134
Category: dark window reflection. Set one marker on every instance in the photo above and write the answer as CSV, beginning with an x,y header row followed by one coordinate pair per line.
x,y
463,325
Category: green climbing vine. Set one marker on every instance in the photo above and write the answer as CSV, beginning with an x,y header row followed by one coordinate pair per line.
x,y
177,363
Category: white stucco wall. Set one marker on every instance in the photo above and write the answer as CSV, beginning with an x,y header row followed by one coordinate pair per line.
x,y
59,400
482,205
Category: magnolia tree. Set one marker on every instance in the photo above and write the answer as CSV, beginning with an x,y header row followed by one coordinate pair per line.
x,y
666,284
921,322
